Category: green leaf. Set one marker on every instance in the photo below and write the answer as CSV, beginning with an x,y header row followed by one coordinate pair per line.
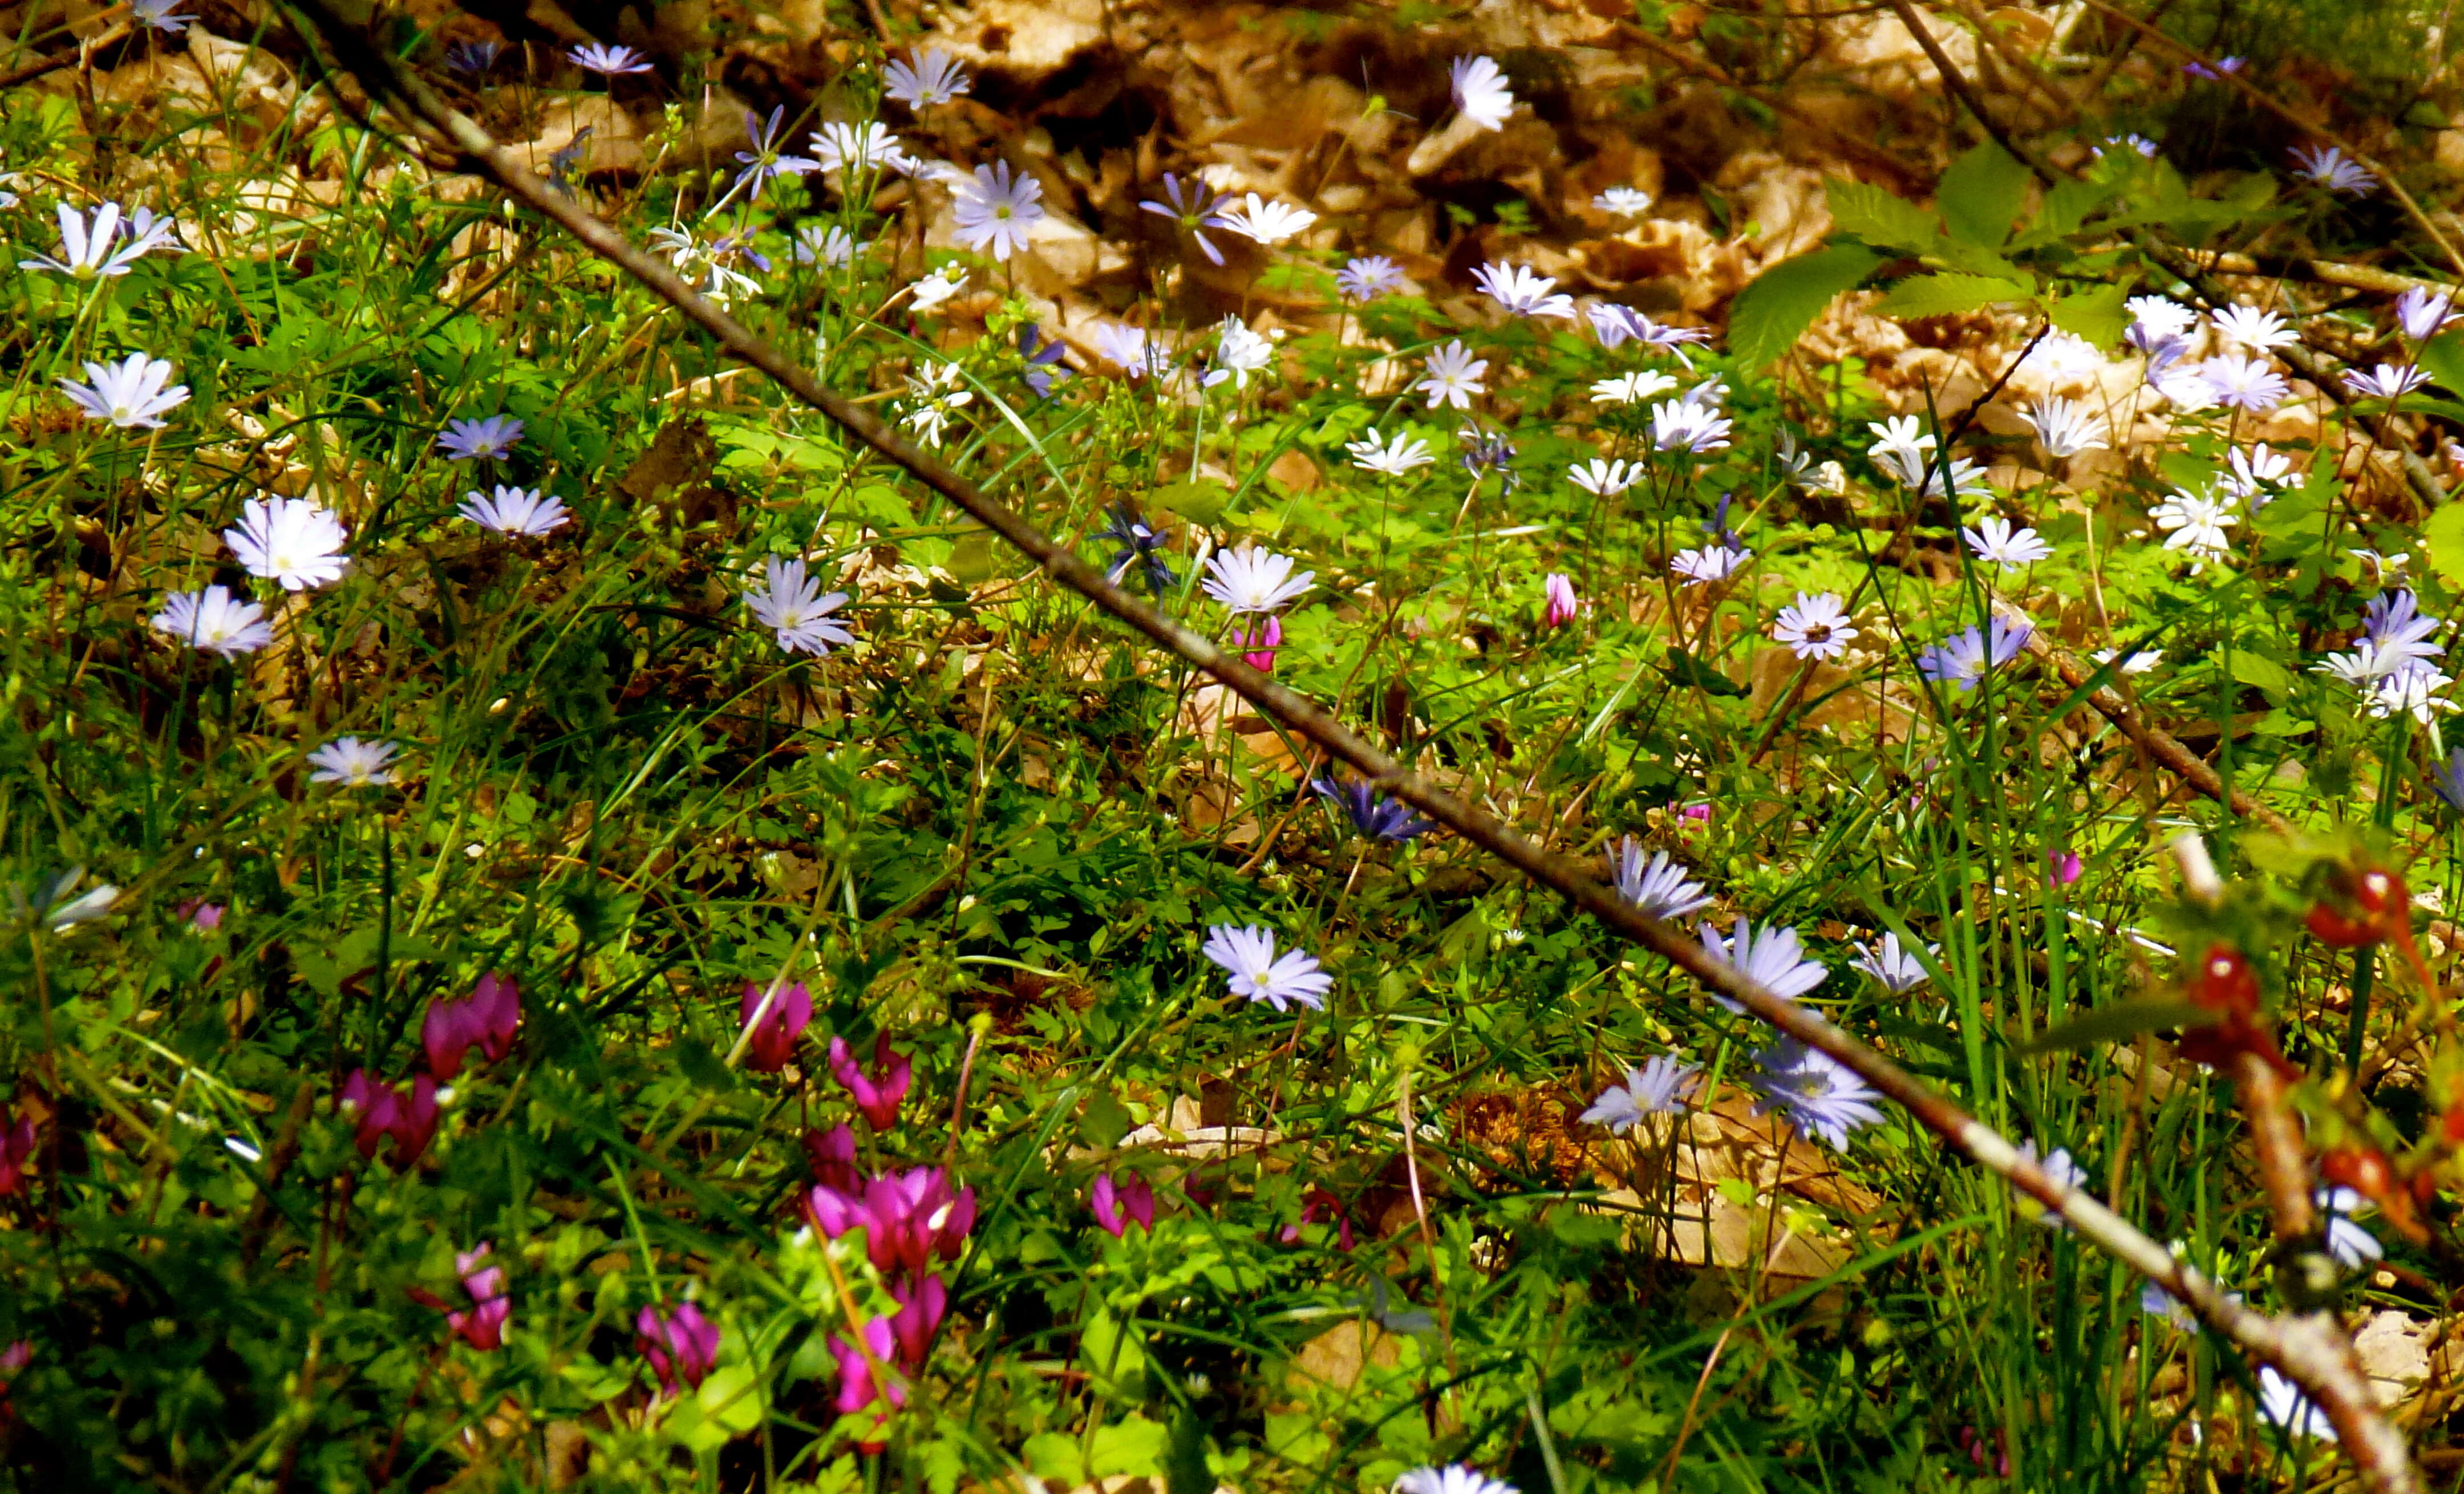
x,y
2066,206
1948,294
1053,1457
1878,217
1982,193
1774,311
1134,1448
2097,315
2444,535
2260,670
2119,1023
1197,500
2442,357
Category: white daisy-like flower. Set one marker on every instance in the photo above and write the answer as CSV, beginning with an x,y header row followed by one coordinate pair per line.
x,y
515,511
934,396
1522,291
353,763
212,621
934,77
2328,166
1632,388
2062,1169
2250,327
2384,382
1710,564
996,211
1239,353
2244,384
1454,377
1251,580
2139,663
2255,472
1480,93
1771,958
926,295
1456,1478
2061,357
1127,349
1604,480
1265,222
1895,966
1624,202
1996,543
830,247
129,393
1249,955
2422,312
1653,1089
1393,460
1686,426
2067,429
95,247
2347,1240
1658,886
792,606
2410,689
2281,1402
291,542
859,144
1815,627
2160,318
2195,523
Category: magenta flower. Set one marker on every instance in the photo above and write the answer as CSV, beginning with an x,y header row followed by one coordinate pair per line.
x,y
17,1153
680,1344
483,1325
2064,866
1563,605
909,1219
832,1153
772,1039
877,1094
201,916
1117,1204
485,1020
384,1111
1261,644
16,1357
921,1306
856,1390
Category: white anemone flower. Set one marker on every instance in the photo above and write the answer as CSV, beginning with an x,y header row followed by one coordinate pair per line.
x,y
792,606
1251,580
293,541
1249,956
130,393
214,622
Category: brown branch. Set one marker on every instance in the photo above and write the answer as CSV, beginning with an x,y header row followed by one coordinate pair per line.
x,y
2155,741
2286,1344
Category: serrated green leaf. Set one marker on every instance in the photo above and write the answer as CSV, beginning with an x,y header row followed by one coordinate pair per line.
x,y
2444,535
2066,206
2096,315
1878,217
1774,310
1948,294
1982,193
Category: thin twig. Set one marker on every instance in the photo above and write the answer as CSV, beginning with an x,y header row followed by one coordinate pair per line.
x,y
2315,1358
